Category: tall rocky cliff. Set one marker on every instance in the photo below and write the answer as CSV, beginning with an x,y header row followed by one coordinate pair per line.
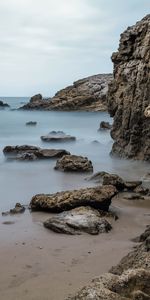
x,y
129,93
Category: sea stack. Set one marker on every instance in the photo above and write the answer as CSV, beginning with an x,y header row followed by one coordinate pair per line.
x,y
129,93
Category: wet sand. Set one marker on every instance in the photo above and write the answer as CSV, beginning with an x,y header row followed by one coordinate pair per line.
x,y
37,264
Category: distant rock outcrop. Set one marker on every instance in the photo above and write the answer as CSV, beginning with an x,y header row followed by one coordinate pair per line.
x,y
88,94
3,105
129,93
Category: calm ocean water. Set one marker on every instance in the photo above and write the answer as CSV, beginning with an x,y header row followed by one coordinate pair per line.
x,y
19,181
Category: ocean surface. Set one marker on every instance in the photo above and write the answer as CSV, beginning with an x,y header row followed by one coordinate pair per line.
x,y
19,181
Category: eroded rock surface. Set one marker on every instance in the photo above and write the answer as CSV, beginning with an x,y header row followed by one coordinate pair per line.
x,y
74,163
78,220
132,284
129,93
99,198
26,152
58,136
88,94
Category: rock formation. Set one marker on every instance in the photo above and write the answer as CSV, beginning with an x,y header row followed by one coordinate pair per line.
x,y
128,280
78,220
88,94
74,163
27,152
97,197
3,105
129,93
58,136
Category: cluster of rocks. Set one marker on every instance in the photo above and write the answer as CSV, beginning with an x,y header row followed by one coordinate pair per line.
x,y
129,93
88,94
27,152
128,280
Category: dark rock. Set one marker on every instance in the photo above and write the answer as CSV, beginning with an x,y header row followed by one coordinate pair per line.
x,y
129,93
31,123
78,220
98,197
27,152
89,94
18,209
74,163
57,136
3,105
105,126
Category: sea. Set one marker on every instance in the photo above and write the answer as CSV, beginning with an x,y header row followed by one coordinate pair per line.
x,y
20,180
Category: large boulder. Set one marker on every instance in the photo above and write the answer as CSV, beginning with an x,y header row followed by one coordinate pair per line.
x,y
58,136
129,93
78,220
88,94
26,152
74,163
98,197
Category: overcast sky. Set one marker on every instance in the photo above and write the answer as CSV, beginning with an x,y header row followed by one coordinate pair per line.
x,y
47,44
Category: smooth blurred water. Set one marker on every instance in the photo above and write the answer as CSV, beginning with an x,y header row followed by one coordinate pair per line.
x,y
19,181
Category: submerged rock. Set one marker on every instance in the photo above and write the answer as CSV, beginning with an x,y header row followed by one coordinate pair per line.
x,y
26,152
31,123
105,126
78,220
3,105
57,136
74,163
18,209
88,94
99,198
129,93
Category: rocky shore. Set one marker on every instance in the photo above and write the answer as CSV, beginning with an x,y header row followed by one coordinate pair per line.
x,y
88,94
129,93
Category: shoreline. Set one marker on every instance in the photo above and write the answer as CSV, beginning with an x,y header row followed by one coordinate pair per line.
x,y
39,264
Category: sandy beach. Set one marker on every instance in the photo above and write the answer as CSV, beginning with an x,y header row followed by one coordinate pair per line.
x,y
39,264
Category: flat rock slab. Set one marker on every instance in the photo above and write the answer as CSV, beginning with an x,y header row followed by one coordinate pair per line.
x,y
78,220
58,136
27,152
74,163
97,197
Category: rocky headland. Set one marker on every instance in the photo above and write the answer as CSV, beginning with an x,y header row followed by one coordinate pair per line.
x,y
88,94
129,93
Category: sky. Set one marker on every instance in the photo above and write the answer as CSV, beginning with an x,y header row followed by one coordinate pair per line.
x,y
45,45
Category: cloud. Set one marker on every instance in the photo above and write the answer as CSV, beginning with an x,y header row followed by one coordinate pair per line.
x,y
47,44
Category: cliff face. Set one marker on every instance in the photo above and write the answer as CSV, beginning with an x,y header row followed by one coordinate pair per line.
x,y
129,93
88,94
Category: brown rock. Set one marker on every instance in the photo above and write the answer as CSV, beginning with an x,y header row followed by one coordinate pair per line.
x,y
105,125
26,152
99,198
129,93
88,94
74,163
18,209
